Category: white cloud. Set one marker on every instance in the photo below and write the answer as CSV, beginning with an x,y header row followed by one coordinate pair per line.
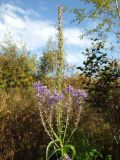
x,y
36,32
75,58
12,8
72,37
12,21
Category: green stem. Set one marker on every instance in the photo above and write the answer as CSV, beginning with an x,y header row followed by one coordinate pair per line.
x,y
60,48
65,128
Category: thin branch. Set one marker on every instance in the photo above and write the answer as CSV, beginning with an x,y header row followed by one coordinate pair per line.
x,y
117,7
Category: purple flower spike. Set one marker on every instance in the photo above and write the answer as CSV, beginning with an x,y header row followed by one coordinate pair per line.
x,y
41,89
52,98
35,85
55,97
60,96
80,93
47,91
76,93
69,89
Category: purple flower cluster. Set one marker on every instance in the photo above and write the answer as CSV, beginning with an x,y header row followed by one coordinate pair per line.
x,y
52,98
76,92
43,92
80,93
41,89
70,90
55,97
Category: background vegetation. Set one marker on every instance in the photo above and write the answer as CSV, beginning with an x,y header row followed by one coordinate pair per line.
x,y
22,135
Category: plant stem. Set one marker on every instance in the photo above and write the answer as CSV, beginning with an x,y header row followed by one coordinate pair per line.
x,y
60,49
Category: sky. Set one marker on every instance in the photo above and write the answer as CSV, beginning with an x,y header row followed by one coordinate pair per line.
x,y
34,22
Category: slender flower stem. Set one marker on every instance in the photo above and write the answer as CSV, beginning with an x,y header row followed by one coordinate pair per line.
x,y
56,137
60,49
67,121
66,126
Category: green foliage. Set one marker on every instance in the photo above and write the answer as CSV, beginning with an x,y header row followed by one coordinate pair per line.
x,y
101,4
109,157
96,60
17,67
103,87
86,149
62,151
106,13
47,64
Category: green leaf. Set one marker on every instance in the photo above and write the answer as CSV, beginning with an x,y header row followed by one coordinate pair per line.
x,y
48,148
55,150
80,68
73,150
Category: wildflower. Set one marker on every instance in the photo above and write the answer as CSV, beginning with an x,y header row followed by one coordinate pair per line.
x,y
80,93
41,89
69,89
44,94
36,85
76,92
60,115
55,97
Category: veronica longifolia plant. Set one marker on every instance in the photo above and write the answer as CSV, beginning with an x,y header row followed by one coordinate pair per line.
x,y
57,111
